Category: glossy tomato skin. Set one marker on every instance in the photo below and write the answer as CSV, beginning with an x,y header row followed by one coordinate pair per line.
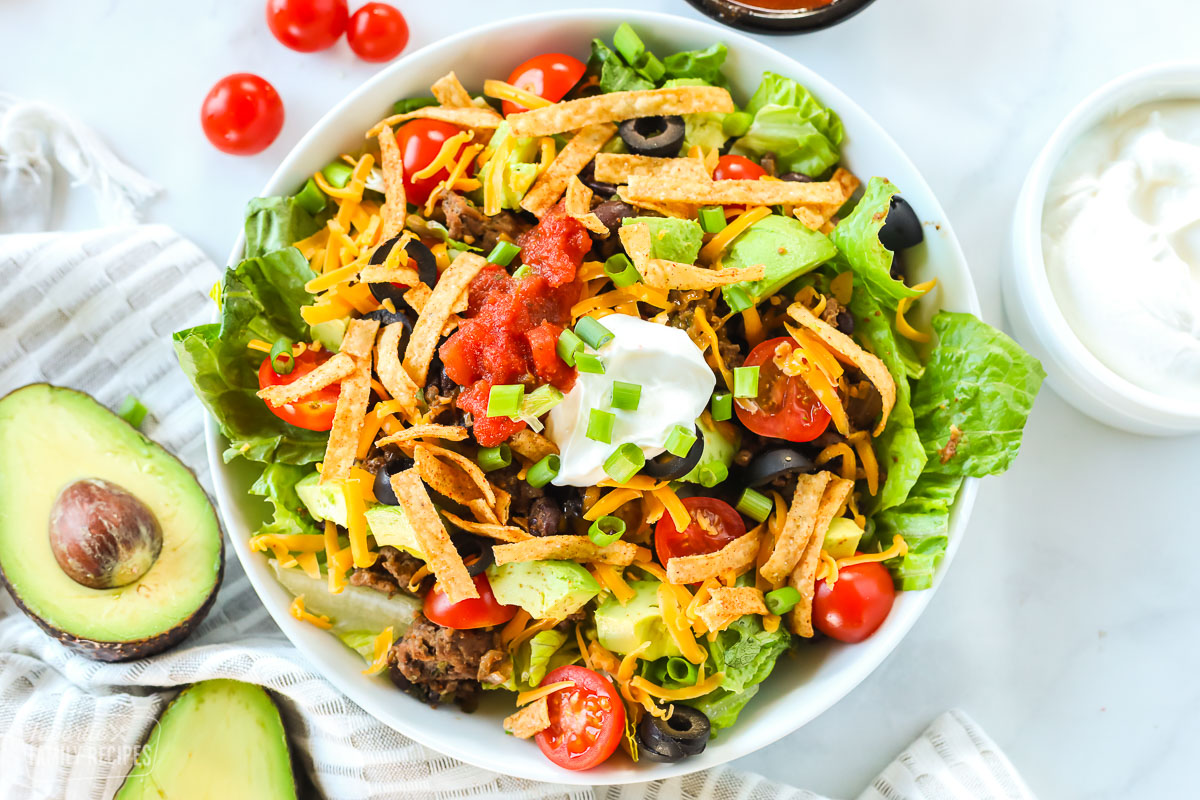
x,y
856,605
377,32
420,141
785,407
315,411
477,612
550,75
307,25
737,168
242,114
586,721
715,524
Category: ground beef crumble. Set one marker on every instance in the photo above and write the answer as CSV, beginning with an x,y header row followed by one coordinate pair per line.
x,y
437,664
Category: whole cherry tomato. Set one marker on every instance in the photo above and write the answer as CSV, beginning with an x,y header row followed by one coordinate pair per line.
x,y
242,114
737,168
856,605
714,524
476,612
550,76
313,412
785,408
420,141
307,25
377,32
587,720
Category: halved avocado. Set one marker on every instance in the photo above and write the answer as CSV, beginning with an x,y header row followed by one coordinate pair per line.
x,y
126,515
218,738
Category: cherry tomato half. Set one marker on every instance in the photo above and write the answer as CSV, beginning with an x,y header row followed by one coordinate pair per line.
x,y
737,168
785,407
420,141
377,32
587,720
477,612
307,25
315,411
857,603
550,75
242,114
715,524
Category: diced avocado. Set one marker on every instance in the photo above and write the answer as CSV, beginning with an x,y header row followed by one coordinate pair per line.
x,y
621,628
218,738
546,589
519,169
671,238
721,442
390,525
323,501
330,333
71,470
784,246
841,540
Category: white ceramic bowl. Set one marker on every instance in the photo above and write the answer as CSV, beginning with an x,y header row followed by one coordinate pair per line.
x,y
1073,370
802,685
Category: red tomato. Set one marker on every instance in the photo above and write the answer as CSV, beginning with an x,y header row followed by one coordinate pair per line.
x,y
242,114
420,141
586,721
550,75
856,605
715,524
477,612
737,168
315,411
785,407
307,25
377,32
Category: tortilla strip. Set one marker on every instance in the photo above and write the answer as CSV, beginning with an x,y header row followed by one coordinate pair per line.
x,y
359,339
565,548
530,720
505,533
380,273
817,217
436,312
324,375
391,373
473,471
532,446
391,164
450,92
582,148
450,433
440,554
444,480
663,274
727,603
848,352
735,192
797,527
503,503
472,117
804,577
617,106
739,553
579,206
677,210
483,512
620,167
351,411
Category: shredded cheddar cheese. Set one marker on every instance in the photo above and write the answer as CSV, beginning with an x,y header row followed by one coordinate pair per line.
x,y
337,577
903,304
849,465
299,613
700,689
720,241
610,578
866,456
610,503
525,698
899,548
514,94
674,506
356,522
383,643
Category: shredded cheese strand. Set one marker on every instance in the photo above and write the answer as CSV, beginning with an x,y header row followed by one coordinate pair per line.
x,y
899,548
525,698
383,643
720,241
903,304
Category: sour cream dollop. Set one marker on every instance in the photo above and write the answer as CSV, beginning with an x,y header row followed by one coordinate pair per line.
x,y
1121,237
676,386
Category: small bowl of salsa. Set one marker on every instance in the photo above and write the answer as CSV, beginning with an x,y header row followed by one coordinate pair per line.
x,y
780,16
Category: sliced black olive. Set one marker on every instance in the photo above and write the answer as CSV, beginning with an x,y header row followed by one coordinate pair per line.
x,y
796,177
386,317
588,177
902,229
668,467
612,213
474,550
684,734
426,269
382,487
772,464
661,137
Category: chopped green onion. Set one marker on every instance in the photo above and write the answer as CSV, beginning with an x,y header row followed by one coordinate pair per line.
x,y
600,425
621,271
338,173
624,462
132,411
722,406
628,43
737,123
543,471
712,219
589,362
682,671
569,346
680,441
736,298
521,272
591,331
494,458
712,474
745,381
412,104
652,68
282,360
626,396
311,198
782,600
755,505
540,400
504,400
606,530
503,253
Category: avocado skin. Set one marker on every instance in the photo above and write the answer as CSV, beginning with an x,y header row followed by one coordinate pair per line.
x,y
134,648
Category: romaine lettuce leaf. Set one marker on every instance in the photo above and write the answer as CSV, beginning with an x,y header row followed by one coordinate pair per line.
x,y
924,522
273,223
778,90
791,123
544,652
278,485
706,130
703,65
746,654
857,239
611,72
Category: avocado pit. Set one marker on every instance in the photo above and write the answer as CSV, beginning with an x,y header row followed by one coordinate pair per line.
x,y
102,536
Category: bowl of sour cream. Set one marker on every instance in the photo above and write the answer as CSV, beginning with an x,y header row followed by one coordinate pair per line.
x,y
1105,281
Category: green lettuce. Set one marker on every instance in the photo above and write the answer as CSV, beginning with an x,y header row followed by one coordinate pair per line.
x,y
790,122
857,239
746,654
273,223
924,522
700,65
610,71
544,652
278,485
706,129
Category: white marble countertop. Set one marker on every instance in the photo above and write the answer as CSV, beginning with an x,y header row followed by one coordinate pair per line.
x,y
1068,625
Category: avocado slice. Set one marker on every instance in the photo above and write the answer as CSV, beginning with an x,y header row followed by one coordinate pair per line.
x,y
218,738
842,537
621,628
546,589
325,501
784,247
59,444
721,443
671,238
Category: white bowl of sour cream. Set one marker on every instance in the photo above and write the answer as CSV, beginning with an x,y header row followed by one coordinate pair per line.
x,y
1105,281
